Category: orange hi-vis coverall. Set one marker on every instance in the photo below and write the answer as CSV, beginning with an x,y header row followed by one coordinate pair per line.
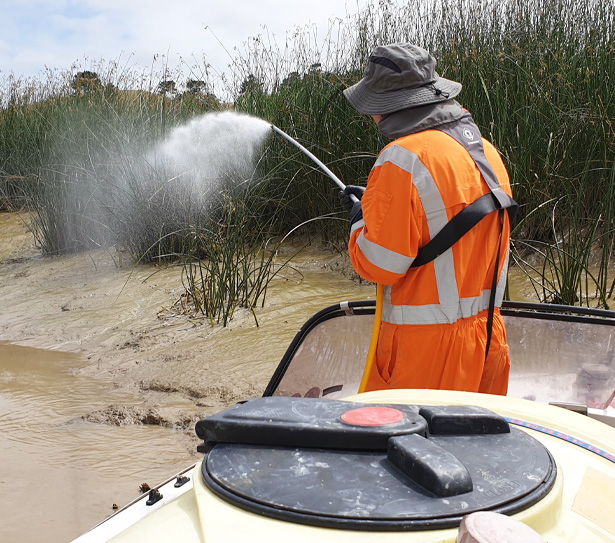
x,y
434,321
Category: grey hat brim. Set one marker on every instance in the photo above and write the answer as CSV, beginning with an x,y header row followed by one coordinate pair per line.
x,y
366,101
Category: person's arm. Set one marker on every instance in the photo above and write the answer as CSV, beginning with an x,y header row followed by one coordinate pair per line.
x,y
384,243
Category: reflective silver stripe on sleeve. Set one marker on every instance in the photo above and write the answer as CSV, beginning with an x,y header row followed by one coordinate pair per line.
x,y
378,255
382,257
398,155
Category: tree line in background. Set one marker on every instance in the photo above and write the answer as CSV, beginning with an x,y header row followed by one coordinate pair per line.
x,y
538,82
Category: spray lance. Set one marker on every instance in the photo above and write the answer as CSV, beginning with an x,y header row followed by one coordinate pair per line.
x,y
318,162
380,289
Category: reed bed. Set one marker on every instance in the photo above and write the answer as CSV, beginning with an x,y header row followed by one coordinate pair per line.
x,y
537,76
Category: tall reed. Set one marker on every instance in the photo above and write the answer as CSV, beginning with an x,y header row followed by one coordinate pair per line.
x,y
83,149
235,270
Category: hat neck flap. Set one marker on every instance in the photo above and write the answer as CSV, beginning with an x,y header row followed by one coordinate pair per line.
x,y
416,119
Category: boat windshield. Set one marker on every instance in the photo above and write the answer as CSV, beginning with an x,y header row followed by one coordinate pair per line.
x,y
559,354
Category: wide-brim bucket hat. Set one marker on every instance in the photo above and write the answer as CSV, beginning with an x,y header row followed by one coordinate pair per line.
x,y
399,76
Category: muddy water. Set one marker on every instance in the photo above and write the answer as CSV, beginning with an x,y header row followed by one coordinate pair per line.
x,y
55,468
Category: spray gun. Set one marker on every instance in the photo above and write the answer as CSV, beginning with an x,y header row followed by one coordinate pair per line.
x,y
371,355
318,162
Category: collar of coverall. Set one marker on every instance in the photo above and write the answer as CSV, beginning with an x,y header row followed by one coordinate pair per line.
x,y
409,121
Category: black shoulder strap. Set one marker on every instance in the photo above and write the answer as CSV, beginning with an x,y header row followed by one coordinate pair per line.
x,y
466,133
460,225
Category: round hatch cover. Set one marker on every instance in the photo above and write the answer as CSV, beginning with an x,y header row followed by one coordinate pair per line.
x,y
436,465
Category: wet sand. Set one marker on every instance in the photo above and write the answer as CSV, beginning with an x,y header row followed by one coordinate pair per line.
x,y
122,321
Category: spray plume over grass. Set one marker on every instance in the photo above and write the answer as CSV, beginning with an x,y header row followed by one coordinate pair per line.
x,y
186,181
212,146
195,192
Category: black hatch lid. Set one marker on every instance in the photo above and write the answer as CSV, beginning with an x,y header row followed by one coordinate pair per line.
x,y
371,467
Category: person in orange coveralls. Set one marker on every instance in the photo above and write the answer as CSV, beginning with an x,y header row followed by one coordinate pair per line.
x,y
441,326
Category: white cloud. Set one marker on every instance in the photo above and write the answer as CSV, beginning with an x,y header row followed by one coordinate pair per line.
x,y
56,33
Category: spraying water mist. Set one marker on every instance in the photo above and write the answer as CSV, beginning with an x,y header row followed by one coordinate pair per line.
x,y
117,192
212,148
213,144
182,183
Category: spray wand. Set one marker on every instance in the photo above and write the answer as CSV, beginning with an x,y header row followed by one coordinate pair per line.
x,y
371,354
318,162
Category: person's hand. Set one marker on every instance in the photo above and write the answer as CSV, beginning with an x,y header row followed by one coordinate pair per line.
x,y
352,205
345,196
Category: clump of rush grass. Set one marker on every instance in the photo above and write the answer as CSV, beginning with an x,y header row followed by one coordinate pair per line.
x,y
572,266
562,270
238,260
233,274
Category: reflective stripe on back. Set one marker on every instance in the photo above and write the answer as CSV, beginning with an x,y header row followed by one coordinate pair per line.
x,y
433,313
444,265
451,307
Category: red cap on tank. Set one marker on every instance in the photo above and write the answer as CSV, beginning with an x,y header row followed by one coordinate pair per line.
x,y
372,416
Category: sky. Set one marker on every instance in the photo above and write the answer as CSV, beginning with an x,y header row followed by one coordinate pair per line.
x,y
56,34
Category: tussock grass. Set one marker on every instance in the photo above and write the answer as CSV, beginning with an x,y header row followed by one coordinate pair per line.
x,y
235,271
